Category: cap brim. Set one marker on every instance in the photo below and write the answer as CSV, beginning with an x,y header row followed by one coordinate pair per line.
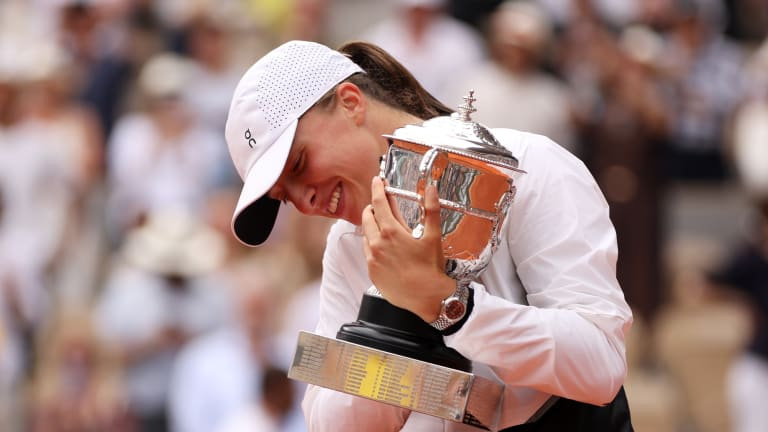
x,y
255,213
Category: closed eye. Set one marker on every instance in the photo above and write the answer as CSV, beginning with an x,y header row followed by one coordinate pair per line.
x,y
298,165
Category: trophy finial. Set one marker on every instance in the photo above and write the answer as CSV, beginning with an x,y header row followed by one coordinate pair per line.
x,y
466,109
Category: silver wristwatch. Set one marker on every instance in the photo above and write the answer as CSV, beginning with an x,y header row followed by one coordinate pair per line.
x,y
453,308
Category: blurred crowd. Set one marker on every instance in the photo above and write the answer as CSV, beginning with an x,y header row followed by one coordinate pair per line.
x,y
127,305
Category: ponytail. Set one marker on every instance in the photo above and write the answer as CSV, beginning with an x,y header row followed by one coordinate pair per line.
x,y
388,81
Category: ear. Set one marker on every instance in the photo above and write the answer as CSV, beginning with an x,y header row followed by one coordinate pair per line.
x,y
352,101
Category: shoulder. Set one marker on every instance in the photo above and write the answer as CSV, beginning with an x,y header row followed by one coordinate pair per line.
x,y
547,165
531,148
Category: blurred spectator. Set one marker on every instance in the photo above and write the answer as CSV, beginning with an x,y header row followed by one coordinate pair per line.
x,y
217,374
97,45
164,288
76,386
51,190
512,88
11,336
697,336
307,235
473,12
217,377
621,111
307,20
586,51
745,271
212,71
146,33
705,69
44,186
161,158
434,46
49,164
624,135
613,14
270,413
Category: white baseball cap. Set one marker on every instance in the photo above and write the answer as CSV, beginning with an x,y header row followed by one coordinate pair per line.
x,y
266,106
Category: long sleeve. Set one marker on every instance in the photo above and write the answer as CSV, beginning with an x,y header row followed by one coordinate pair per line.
x,y
569,339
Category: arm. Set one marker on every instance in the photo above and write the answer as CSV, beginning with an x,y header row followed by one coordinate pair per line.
x,y
562,246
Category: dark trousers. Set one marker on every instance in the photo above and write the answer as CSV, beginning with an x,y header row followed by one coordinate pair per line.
x,y
570,416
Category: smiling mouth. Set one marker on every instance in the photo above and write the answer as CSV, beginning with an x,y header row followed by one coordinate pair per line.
x,y
334,203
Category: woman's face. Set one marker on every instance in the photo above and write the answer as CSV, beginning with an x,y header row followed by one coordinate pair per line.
x,y
331,163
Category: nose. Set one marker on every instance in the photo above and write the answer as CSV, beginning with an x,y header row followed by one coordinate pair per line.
x,y
303,197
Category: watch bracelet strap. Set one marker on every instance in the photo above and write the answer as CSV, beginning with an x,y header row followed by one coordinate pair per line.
x,y
467,295
460,323
461,292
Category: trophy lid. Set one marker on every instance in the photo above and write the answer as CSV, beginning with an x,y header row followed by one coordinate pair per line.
x,y
458,133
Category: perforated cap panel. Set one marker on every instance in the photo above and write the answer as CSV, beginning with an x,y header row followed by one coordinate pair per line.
x,y
297,79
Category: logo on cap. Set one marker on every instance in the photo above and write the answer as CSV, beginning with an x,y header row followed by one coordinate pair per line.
x,y
250,138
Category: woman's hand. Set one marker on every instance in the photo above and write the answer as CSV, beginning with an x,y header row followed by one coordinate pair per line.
x,y
409,272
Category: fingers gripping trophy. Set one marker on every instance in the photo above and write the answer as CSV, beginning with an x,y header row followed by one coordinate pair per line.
x,y
390,354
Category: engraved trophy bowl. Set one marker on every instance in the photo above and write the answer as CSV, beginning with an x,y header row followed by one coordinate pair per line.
x,y
390,354
474,176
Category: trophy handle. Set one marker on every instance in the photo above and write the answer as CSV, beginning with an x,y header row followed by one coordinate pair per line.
x,y
430,173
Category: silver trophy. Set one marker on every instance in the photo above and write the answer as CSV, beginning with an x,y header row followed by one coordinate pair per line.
x,y
389,354
474,176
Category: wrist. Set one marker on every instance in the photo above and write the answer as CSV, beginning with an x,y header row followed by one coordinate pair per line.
x,y
453,308
431,306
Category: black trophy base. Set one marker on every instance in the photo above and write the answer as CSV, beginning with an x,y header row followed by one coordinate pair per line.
x,y
386,327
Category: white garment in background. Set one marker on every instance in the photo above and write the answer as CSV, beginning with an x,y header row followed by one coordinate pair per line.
x,y
214,378
747,389
209,94
148,173
750,146
449,47
255,418
534,102
136,306
558,253
39,169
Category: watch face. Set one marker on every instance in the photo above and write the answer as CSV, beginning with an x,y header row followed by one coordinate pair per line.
x,y
454,309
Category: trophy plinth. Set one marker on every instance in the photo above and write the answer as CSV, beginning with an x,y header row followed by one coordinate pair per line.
x,y
390,354
389,328
450,394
